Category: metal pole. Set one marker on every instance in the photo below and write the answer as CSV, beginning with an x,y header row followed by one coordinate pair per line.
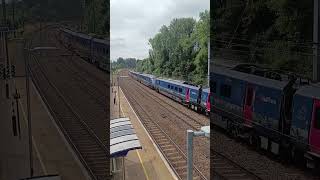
x,y
4,12
29,112
119,95
316,53
17,97
190,154
209,61
123,168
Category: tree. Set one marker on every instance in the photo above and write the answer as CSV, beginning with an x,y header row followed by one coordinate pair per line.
x,y
180,50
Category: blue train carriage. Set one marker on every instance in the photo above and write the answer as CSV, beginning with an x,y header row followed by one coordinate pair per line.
x,y
147,79
249,106
193,97
205,100
305,125
82,43
227,92
78,42
177,91
100,54
266,108
133,74
67,37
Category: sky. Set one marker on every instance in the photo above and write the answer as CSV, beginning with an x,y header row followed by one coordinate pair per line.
x,y
134,22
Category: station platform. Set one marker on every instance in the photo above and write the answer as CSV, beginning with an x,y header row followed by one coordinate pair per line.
x,y
146,163
51,152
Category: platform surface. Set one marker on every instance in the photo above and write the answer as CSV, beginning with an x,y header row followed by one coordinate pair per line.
x,y
51,153
145,164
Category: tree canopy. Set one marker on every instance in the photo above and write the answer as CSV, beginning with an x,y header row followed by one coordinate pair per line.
x,y
92,15
276,33
180,50
124,63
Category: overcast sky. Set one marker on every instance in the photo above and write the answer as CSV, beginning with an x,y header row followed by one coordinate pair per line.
x,y
134,22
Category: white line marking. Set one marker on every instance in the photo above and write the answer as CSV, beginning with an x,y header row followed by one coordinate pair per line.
x,y
141,161
159,152
66,142
34,142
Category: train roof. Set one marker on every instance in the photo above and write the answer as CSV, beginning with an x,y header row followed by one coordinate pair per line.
x,y
82,35
311,91
179,83
101,41
207,90
147,75
251,78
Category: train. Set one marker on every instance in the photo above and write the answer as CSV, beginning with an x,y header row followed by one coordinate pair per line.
x,y
192,96
275,111
94,50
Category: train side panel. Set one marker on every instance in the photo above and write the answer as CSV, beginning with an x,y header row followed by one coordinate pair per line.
x,y
227,96
302,113
267,109
172,90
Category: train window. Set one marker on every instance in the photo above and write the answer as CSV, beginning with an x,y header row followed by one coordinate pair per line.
x,y
180,90
317,118
168,86
225,90
171,87
175,88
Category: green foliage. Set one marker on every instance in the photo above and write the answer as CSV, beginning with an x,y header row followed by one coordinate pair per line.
x,y
96,17
93,15
121,63
277,33
180,50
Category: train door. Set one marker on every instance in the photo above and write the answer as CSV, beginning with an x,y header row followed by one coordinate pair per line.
x,y
248,105
187,95
314,138
208,102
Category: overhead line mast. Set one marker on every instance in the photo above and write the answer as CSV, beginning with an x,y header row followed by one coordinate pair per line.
x,y
316,34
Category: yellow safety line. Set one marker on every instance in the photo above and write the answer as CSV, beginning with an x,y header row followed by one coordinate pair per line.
x,y
141,162
144,169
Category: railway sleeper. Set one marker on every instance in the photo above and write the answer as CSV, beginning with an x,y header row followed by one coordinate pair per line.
x,y
169,150
94,155
171,153
167,145
162,141
162,137
175,158
183,174
235,175
157,133
177,163
183,167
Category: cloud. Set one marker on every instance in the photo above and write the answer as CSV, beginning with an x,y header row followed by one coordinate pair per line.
x,y
133,23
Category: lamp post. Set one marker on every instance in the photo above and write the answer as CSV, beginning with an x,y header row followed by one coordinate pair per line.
x,y
27,72
205,131
118,80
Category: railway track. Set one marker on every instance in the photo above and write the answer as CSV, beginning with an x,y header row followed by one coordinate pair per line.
x,y
224,168
172,152
90,149
177,112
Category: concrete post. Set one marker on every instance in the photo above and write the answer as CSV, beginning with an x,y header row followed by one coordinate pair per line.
x,y
190,154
